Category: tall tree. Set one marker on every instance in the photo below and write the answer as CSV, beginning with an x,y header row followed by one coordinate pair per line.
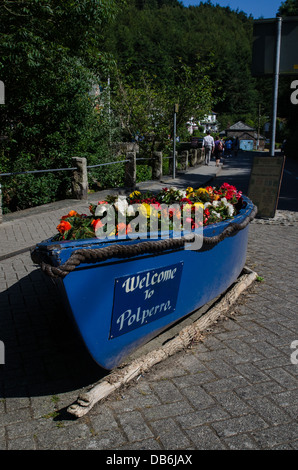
x,y
48,63
157,39
289,8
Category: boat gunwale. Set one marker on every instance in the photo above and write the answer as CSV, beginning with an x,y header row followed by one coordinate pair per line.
x,y
51,246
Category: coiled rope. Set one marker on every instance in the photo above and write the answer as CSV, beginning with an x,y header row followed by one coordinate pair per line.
x,y
94,255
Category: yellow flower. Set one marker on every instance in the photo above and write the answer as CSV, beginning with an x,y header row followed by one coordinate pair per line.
x,y
199,204
189,190
201,191
135,194
145,209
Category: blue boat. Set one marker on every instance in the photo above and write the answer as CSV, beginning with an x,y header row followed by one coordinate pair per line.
x,y
122,294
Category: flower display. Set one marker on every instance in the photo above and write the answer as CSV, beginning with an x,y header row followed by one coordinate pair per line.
x,y
120,215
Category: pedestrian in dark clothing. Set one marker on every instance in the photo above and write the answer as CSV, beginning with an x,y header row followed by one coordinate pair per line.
x,y
218,150
228,148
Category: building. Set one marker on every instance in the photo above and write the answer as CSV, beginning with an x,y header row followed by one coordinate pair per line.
x,y
208,123
248,137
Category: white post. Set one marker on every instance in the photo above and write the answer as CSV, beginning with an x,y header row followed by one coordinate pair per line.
x,y
275,89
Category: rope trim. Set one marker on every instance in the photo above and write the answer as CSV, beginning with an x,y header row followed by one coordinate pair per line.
x,y
93,255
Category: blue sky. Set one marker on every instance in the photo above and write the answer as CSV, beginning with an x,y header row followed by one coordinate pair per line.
x,y
257,8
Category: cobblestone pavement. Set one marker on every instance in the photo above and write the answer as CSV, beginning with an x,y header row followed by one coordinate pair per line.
x,y
236,389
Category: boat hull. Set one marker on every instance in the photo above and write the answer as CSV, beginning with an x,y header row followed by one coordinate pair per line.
x,y
120,304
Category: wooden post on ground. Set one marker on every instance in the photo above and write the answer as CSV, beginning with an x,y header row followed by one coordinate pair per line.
x,y
193,156
186,336
80,178
157,165
184,160
130,176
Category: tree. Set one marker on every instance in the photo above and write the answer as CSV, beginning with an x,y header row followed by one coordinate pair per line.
x,y
157,39
289,8
49,63
145,109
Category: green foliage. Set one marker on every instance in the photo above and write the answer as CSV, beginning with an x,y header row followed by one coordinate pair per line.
x,y
289,8
155,53
145,108
159,39
49,64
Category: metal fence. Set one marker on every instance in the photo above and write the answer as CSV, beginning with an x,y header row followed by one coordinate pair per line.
x,y
80,170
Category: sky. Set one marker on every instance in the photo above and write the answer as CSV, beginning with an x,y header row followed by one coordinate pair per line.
x,y
256,8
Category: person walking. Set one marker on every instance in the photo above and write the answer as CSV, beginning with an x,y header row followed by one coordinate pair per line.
x,y
228,148
208,145
235,146
218,151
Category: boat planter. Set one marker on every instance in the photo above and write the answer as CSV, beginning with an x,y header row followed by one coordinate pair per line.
x,y
122,293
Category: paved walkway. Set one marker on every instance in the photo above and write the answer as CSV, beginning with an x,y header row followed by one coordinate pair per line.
x,y
237,389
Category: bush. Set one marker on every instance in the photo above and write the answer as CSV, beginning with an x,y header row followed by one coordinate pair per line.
x,y
25,191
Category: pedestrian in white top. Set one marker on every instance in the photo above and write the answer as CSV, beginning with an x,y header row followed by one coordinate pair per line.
x,y
208,145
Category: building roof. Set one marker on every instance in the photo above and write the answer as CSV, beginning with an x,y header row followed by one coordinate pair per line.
x,y
240,126
254,135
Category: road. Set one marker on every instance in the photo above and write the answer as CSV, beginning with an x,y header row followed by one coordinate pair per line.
x,y
235,171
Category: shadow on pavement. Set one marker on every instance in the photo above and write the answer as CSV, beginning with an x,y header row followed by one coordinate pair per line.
x,y
44,354
236,171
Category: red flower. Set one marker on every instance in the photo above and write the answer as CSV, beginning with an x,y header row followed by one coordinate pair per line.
x,y
63,227
96,223
122,228
185,199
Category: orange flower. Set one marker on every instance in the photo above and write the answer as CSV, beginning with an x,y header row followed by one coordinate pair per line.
x,y
96,223
64,226
70,214
123,228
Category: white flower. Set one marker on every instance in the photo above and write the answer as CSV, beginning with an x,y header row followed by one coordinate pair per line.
x,y
230,209
121,205
215,203
207,204
130,210
182,193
